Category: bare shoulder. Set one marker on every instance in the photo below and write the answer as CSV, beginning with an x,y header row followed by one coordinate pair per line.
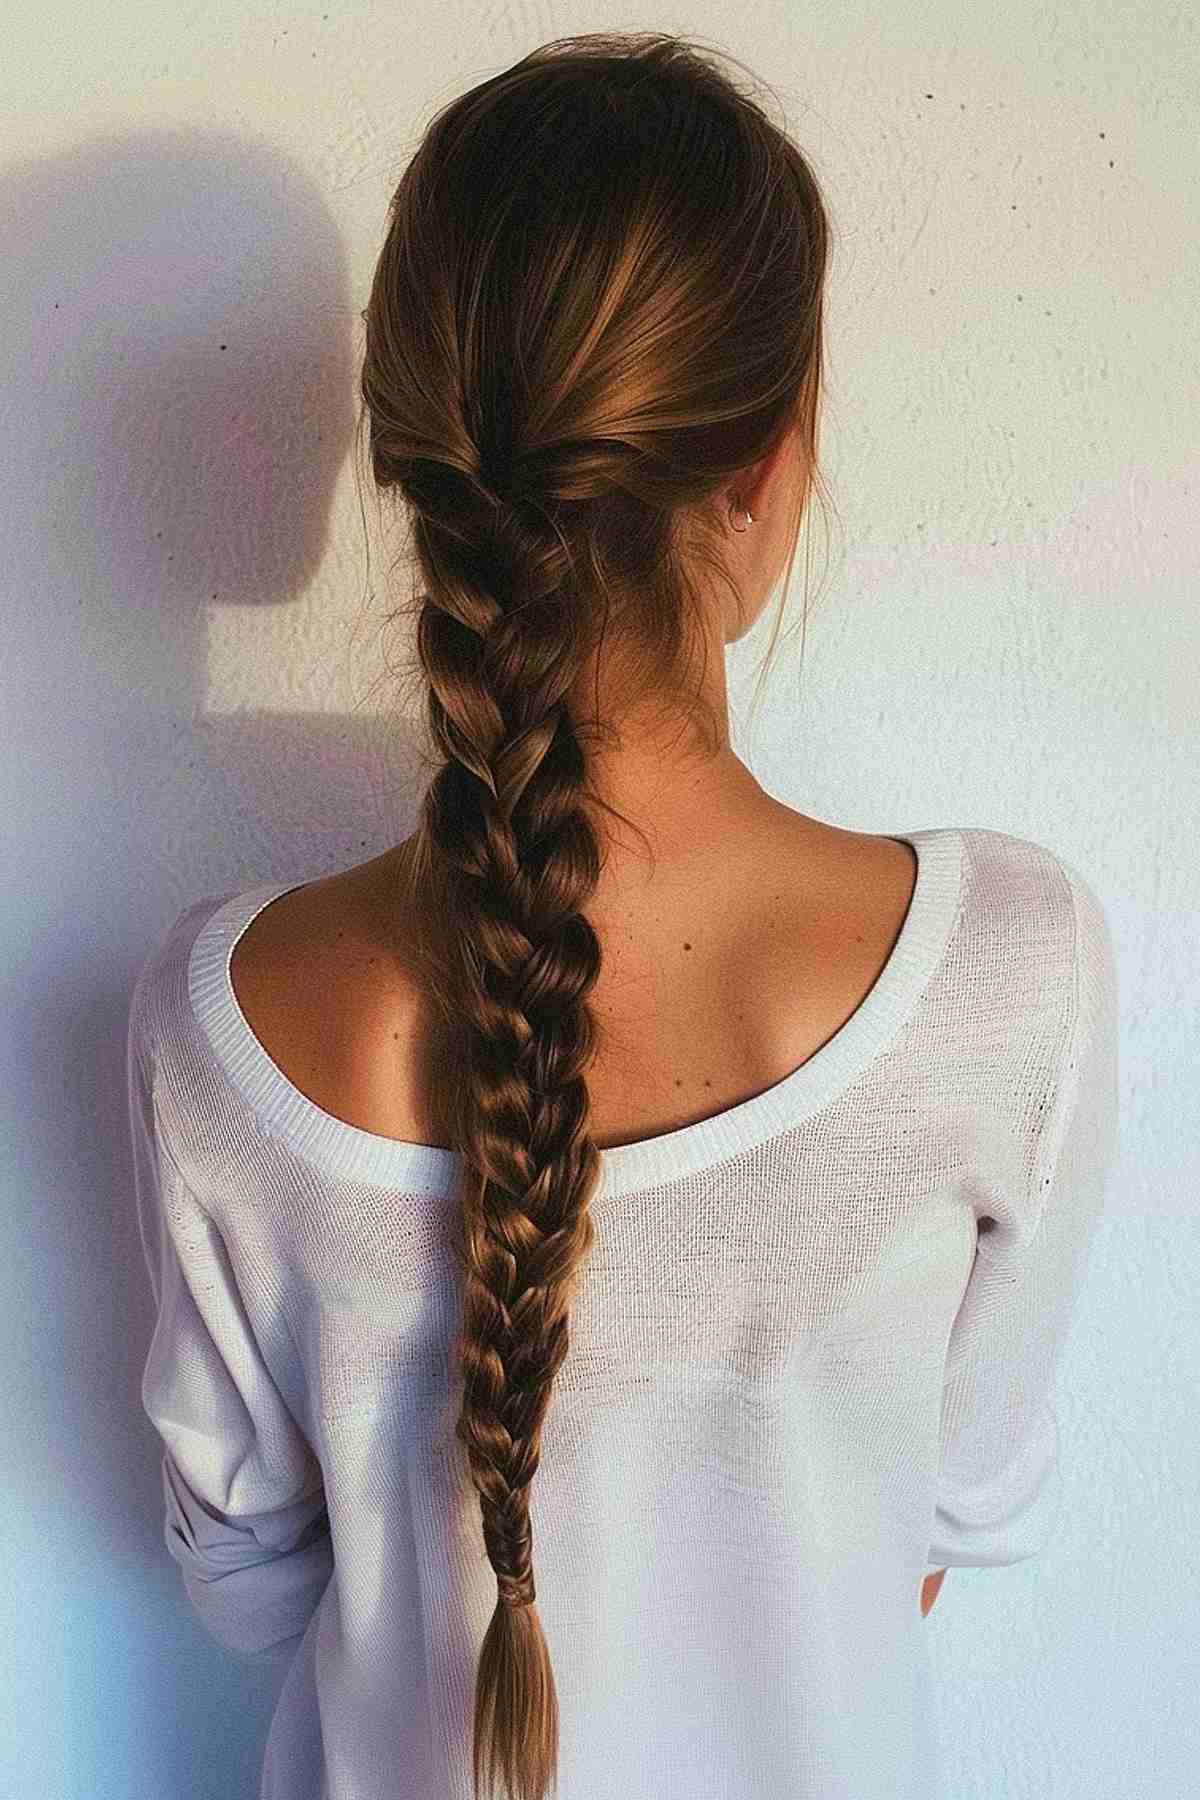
x,y
849,869
326,932
324,986
854,900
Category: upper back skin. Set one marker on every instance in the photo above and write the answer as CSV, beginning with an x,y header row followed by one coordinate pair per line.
x,y
710,990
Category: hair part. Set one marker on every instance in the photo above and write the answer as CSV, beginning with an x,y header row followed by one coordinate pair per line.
x,y
598,299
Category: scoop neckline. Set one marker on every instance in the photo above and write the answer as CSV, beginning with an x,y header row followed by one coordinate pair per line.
x,y
347,1151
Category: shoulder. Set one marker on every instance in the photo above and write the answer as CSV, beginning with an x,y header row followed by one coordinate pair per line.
x,y
333,930
323,980
1031,897
1034,941
854,876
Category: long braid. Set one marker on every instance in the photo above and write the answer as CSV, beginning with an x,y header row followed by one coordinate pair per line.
x,y
598,304
503,823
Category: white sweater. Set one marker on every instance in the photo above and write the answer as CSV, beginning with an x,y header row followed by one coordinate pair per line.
x,y
812,1358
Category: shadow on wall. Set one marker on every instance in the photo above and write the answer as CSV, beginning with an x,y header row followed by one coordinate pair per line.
x,y
179,401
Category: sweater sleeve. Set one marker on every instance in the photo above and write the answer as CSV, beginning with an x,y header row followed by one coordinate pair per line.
x,y
245,1515
999,1484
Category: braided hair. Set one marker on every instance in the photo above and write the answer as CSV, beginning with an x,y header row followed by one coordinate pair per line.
x,y
598,300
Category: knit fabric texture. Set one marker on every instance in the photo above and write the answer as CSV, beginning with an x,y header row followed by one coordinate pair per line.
x,y
813,1357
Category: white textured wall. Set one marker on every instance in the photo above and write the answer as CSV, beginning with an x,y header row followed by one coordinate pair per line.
x,y
192,201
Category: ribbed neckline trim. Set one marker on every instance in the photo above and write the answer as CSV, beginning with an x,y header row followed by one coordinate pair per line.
x,y
347,1152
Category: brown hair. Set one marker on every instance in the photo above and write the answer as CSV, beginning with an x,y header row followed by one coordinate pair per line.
x,y
598,299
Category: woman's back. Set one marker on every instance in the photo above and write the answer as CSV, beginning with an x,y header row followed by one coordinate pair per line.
x,y
811,1354
725,973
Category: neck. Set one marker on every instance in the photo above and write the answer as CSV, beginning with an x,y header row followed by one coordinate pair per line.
x,y
685,810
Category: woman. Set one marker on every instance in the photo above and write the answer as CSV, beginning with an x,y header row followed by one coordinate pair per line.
x,y
767,1150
